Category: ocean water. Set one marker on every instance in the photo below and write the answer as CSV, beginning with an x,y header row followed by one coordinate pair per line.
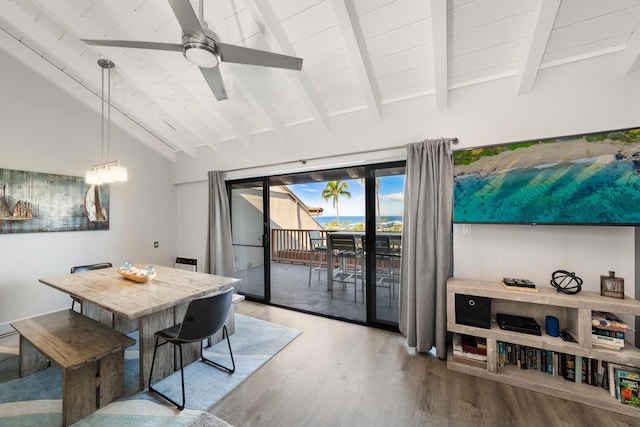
x,y
353,219
569,192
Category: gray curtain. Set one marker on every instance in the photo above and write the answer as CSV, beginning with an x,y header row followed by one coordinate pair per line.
x,y
427,251
219,251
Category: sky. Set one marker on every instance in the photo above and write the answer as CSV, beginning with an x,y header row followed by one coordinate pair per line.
x,y
390,192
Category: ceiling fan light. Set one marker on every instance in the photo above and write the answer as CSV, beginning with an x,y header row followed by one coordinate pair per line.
x,y
201,54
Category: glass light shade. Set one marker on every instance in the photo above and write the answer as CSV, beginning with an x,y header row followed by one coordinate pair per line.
x,y
92,178
105,175
118,173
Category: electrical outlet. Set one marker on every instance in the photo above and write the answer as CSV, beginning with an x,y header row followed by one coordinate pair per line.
x,y
156,245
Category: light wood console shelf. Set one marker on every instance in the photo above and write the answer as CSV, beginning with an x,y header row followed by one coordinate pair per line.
x,y
574,313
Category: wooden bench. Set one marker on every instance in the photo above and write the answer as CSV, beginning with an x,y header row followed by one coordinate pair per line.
x,y
90,355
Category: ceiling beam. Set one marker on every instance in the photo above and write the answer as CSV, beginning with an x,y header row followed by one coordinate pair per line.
x,y
440,52
357,50
542,20
76,66
259,100
245,83
632,54
264,16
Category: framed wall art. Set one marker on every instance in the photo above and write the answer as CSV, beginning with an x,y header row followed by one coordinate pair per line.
x,y
33,202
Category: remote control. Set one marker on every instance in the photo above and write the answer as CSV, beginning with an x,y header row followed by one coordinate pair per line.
x,y
521,283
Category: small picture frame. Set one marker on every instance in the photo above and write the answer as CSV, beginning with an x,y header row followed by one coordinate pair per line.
x,y
611,286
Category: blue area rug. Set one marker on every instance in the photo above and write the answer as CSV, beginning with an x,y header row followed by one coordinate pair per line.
x,y
36,400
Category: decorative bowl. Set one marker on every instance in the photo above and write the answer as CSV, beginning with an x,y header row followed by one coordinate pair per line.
x,y
136,274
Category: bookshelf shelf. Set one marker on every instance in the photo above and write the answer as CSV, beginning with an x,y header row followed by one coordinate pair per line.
x,y
574,313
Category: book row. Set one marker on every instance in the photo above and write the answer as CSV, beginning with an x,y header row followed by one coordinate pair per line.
x,y
572,368
622,382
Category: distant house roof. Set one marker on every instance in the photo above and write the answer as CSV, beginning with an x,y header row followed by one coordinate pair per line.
x,y
315,211
292,212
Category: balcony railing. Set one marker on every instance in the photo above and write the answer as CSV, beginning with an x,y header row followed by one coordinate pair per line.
x,y
288,245
293,246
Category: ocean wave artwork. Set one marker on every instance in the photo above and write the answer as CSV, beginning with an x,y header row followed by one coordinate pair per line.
x,y
587,179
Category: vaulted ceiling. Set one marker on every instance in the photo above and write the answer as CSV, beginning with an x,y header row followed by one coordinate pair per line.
x,y
359,55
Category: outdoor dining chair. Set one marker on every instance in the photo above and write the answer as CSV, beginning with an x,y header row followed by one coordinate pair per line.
x,y
203,318
317,249
384,269
350,255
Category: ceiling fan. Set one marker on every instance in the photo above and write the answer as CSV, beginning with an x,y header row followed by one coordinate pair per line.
x,y
201,47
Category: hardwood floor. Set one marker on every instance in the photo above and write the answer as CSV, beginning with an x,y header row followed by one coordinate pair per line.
x,y
342,374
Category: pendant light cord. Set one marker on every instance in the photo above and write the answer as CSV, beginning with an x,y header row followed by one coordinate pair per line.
x,y
109,115
106,130
102,120
105,172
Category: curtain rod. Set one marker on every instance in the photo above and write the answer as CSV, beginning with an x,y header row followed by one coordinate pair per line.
x,y
354,153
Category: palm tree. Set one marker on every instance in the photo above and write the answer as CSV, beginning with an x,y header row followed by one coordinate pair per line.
x,y
334,190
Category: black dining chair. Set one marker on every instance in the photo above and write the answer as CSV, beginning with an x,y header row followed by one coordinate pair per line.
x,y
89,267
203,318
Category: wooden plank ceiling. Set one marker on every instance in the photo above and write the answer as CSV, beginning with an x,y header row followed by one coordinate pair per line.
x,y
358,55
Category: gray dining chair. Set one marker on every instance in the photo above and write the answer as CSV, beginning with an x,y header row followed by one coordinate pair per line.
x,y
80,269
203,318
317,249
350,256
384,270
395,248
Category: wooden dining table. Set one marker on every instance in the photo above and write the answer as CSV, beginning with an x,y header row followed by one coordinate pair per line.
x,y
153,305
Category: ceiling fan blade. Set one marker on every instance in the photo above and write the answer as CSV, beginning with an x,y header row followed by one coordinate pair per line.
x,y
245,55
214,79
187,19
136,45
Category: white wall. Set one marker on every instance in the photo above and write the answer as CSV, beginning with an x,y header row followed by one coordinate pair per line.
x,y
192,214
586,96
44,130
491,252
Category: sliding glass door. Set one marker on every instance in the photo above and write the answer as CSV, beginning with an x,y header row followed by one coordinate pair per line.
x,y
249,229
281,227
385,199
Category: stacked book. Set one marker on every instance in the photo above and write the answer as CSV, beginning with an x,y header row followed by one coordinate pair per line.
x,y
607,331
468,348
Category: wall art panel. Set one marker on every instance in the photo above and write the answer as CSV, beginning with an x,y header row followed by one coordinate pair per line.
x,y
32,202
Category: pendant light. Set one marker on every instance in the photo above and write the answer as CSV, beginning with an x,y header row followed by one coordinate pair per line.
x,y
106,172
